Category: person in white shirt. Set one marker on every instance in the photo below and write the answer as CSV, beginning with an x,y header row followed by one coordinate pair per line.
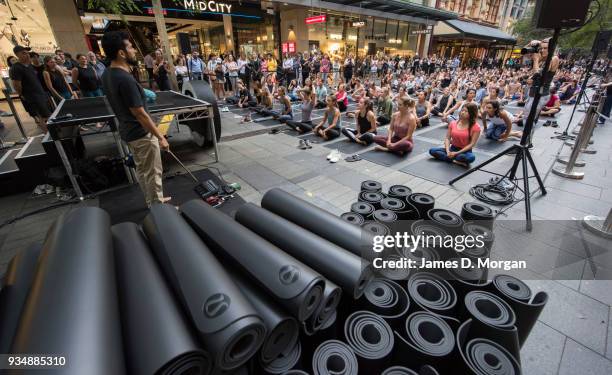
x,y
288,69
243,71
149,62
232,69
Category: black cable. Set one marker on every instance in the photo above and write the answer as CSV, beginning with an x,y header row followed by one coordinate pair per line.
x,y
495,192
38,210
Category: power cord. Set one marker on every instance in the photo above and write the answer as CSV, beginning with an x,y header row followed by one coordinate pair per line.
x,y
497,192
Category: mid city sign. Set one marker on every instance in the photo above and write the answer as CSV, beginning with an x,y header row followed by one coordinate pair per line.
x,y
208,6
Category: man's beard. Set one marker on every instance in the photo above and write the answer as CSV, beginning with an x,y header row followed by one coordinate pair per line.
x,y
131,61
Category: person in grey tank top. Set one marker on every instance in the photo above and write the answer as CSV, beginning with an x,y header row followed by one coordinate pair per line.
x,y
423,109
309,100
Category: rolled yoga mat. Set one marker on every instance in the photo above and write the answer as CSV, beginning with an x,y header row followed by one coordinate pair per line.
x,y
74,310
376,229
334,357
364,209
465,280
432,293
474,211
283,363
426,338
403,209
371,197
492,319
448,220
428,370
480,356
387,299
327,308
282,329
318,221
149,310
228,325
16,286
371,338
422,202
340,266
353,218
518,295
399,370
370,185
486,234
289,282
399,191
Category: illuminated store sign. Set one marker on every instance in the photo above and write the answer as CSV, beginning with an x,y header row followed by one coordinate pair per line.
x,y
316,19
208,6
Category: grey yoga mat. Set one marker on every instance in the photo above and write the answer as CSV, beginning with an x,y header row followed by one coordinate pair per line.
x,y
74,311
228,325
157,337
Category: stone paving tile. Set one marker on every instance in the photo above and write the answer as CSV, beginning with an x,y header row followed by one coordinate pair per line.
x,y
578,359
542,352
609,343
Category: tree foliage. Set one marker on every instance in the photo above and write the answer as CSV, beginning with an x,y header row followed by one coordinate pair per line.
x,y
579,40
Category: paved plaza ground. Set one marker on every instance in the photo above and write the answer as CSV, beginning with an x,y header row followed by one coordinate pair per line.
x,y
573,334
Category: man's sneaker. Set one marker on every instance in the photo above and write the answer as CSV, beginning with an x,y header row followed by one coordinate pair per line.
x,y
302,145
307,143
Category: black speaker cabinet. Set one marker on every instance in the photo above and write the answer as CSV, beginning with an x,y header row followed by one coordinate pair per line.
x,y
184,43
552,14
602,41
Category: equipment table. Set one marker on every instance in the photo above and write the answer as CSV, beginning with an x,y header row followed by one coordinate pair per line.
x,y
71,114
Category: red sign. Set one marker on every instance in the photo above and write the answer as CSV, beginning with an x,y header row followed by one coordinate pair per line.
x,y
285,48
288,47
291,47
316,19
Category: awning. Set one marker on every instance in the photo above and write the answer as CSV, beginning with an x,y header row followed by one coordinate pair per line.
x,y
472,30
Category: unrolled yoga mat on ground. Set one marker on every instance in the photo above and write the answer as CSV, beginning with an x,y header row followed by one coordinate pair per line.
x,y
494,146
434,133
149,309
289,282
228,325
128,204
439,171
313,138
74,311
335,263
15,289
317,220
347,147
389,159
270,122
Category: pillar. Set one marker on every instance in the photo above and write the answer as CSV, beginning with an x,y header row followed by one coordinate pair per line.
x,y
66,25
228,31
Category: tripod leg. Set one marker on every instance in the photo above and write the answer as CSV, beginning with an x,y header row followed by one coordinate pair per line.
x,y
526,189
472,170
517,159
535,172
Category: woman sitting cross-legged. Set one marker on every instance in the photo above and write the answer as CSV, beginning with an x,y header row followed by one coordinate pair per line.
x,y
331,125
287,112
403,123
309,100
366,123
461,137
342,98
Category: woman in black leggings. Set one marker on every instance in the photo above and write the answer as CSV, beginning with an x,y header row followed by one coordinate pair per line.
x,y
331,124
309,100
366,123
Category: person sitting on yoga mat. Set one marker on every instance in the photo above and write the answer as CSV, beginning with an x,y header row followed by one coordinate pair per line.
x,y
267,102
445,101
469,98
287,112
497,122
460,138
365,128
403,124
385,108
342,98
309,100
293,91
422,108
552,106
321,92
331,125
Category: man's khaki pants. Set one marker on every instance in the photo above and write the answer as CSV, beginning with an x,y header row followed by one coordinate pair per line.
x,y
148,162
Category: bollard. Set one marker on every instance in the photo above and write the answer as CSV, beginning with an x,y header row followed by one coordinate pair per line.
x,y
599,225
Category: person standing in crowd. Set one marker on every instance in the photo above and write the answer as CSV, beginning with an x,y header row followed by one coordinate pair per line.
x,y
244,71
403,124
56,81
25,81
460,138
136,128
347,68
195,66
95,63
336,70
160,71
210,69
306,67
181,71
219,80
232,71
85,78
287,70
271,65
325,69
39,66
149,62
608,102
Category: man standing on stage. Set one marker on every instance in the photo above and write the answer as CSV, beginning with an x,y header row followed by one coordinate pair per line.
x,y
137,129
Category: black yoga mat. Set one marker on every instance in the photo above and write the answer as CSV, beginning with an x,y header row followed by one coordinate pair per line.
x,y
446,219
283,363
389,159
149,309
313,138
428,370
481,356
334,356
494,146
270,122
318,221
426,338
399,370
353,218
346,147
364,209
16,286
74,311
371,197
335,263
437,170
432,293
282,329
493,319
371,186
518,296
326,309
399,191
422,202
478,212
128,204
371,338
228,325
387,299
438,133
287,281
375,229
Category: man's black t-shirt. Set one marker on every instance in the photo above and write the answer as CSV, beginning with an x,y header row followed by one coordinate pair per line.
x,y
31,87
123,93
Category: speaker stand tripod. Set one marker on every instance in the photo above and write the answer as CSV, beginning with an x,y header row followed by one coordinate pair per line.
x,y
522,156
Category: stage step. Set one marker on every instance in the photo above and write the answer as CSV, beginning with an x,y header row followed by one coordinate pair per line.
x,y
33,161
10,175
